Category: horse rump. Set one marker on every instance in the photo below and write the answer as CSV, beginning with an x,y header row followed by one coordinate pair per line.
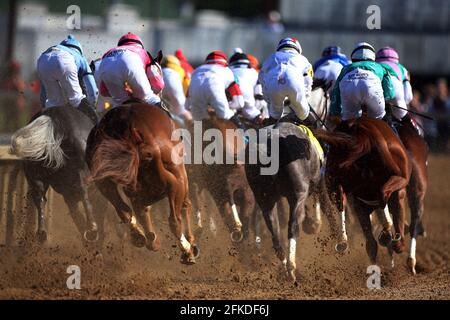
x,y
40,140
115,159
365,136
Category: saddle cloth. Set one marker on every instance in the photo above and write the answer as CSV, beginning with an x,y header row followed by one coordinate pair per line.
x,y
313,141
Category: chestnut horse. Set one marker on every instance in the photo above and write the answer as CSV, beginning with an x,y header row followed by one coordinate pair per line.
x,y
417,186
373,168
226,183
132,147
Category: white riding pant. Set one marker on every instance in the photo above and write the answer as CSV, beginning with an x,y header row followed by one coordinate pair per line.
x,y
399,99
287,85
209,92
125,67
361,88
173,92
59,75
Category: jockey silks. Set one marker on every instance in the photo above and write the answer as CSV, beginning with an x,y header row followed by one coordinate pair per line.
x,y
60,69
286,75
366,83
208,87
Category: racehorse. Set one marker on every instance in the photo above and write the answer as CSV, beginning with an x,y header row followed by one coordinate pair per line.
x,y
132,147
373,168
417,186
298,176
52,146
226,183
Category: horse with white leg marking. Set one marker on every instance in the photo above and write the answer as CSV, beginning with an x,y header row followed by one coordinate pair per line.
x,y
132,147
52,146
298,176
370,164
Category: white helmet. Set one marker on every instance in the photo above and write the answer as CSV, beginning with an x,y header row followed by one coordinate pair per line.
x,y
289,43
363,51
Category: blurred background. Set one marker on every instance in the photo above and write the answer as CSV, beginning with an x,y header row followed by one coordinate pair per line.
x,y
418,29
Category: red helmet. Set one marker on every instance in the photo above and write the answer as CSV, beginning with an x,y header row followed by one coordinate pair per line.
x,y
217,57
130,38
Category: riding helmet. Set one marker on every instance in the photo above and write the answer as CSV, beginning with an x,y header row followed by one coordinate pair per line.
x,y
363,51
331,50
387,53
292,43
217,57
71,42
239,59
130,38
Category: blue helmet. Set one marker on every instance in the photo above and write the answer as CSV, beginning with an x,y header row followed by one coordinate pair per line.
x,y
71,42
331,50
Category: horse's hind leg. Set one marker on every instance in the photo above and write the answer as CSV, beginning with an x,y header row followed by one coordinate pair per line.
x,y
296,217
37,191
273,224
363,213
143,214
397,206
91,232
110,192
72,202
416,194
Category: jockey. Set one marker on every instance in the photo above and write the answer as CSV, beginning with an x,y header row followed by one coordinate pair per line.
x,y
60,69
332,53
329,66
186,67
214,84
389,58
287,75
362,83
128,71
248,81
173,92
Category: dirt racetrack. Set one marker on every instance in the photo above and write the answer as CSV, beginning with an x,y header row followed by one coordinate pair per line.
x,y
221,272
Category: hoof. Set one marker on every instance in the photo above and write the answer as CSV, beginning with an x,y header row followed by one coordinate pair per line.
x,y
153,243
411,262
341,247
187,258
311,227
42,236
90,235
398,244
137,238
237,236
291,276
385,238
195,251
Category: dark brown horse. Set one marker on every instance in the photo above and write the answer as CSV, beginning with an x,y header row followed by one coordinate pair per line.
x,y
132,147
373,168
417,186
226,182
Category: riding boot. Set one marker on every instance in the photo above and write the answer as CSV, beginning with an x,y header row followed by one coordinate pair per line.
x,y
89,111
310,121
388,119
163,106
408,121
237,121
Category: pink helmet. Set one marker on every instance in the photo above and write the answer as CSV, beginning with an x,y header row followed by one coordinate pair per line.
x,y
130,38
387,54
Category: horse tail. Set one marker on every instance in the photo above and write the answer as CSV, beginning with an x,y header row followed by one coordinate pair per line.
x,y
335,139
367,136
115,159
380,143
39,141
